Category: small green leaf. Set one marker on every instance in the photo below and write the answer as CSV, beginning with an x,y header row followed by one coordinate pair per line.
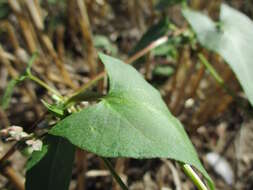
x,y
131,121
232,38
5,100
56,110
164,71
8,93
169,50
104,43
30,62
50,168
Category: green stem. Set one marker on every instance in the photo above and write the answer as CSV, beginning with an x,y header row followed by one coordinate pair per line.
x,y
210,68
43,84
216,75
31,61
114,174
85,87
193,176
221,82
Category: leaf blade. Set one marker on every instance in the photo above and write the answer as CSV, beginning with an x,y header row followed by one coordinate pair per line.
x,y
57,154
5,101
233,41
121,124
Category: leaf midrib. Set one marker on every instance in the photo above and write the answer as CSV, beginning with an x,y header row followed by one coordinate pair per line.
x,y
140,103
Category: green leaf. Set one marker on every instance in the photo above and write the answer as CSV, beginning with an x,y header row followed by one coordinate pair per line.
x,y
103,42
30,63
232,38
131,121
164,71
58,111
5,101
50,168
4,9
169,50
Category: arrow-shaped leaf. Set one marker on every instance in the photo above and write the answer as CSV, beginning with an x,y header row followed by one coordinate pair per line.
x,y
232,38
131,121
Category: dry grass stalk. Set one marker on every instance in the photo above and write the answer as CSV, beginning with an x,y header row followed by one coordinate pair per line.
x,y
119,168
196,81
202,115
14,177
49,46
177,106
21,54
223,105
72,22
11,33
87,36
33,9
171,84
81,162
139,5
38,22
214,8
196,4
60,30
135,13
148,48
176,81
4,119
225,99
217,101
25,26
12,72
196,78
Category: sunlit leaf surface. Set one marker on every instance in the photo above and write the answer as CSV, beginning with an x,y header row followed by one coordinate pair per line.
x,y
232,38
131,121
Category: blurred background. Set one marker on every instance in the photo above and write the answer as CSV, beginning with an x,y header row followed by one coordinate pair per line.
x,y
67,34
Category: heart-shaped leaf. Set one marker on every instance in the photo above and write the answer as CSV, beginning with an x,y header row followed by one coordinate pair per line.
x,y
131,121
51,167
232,38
